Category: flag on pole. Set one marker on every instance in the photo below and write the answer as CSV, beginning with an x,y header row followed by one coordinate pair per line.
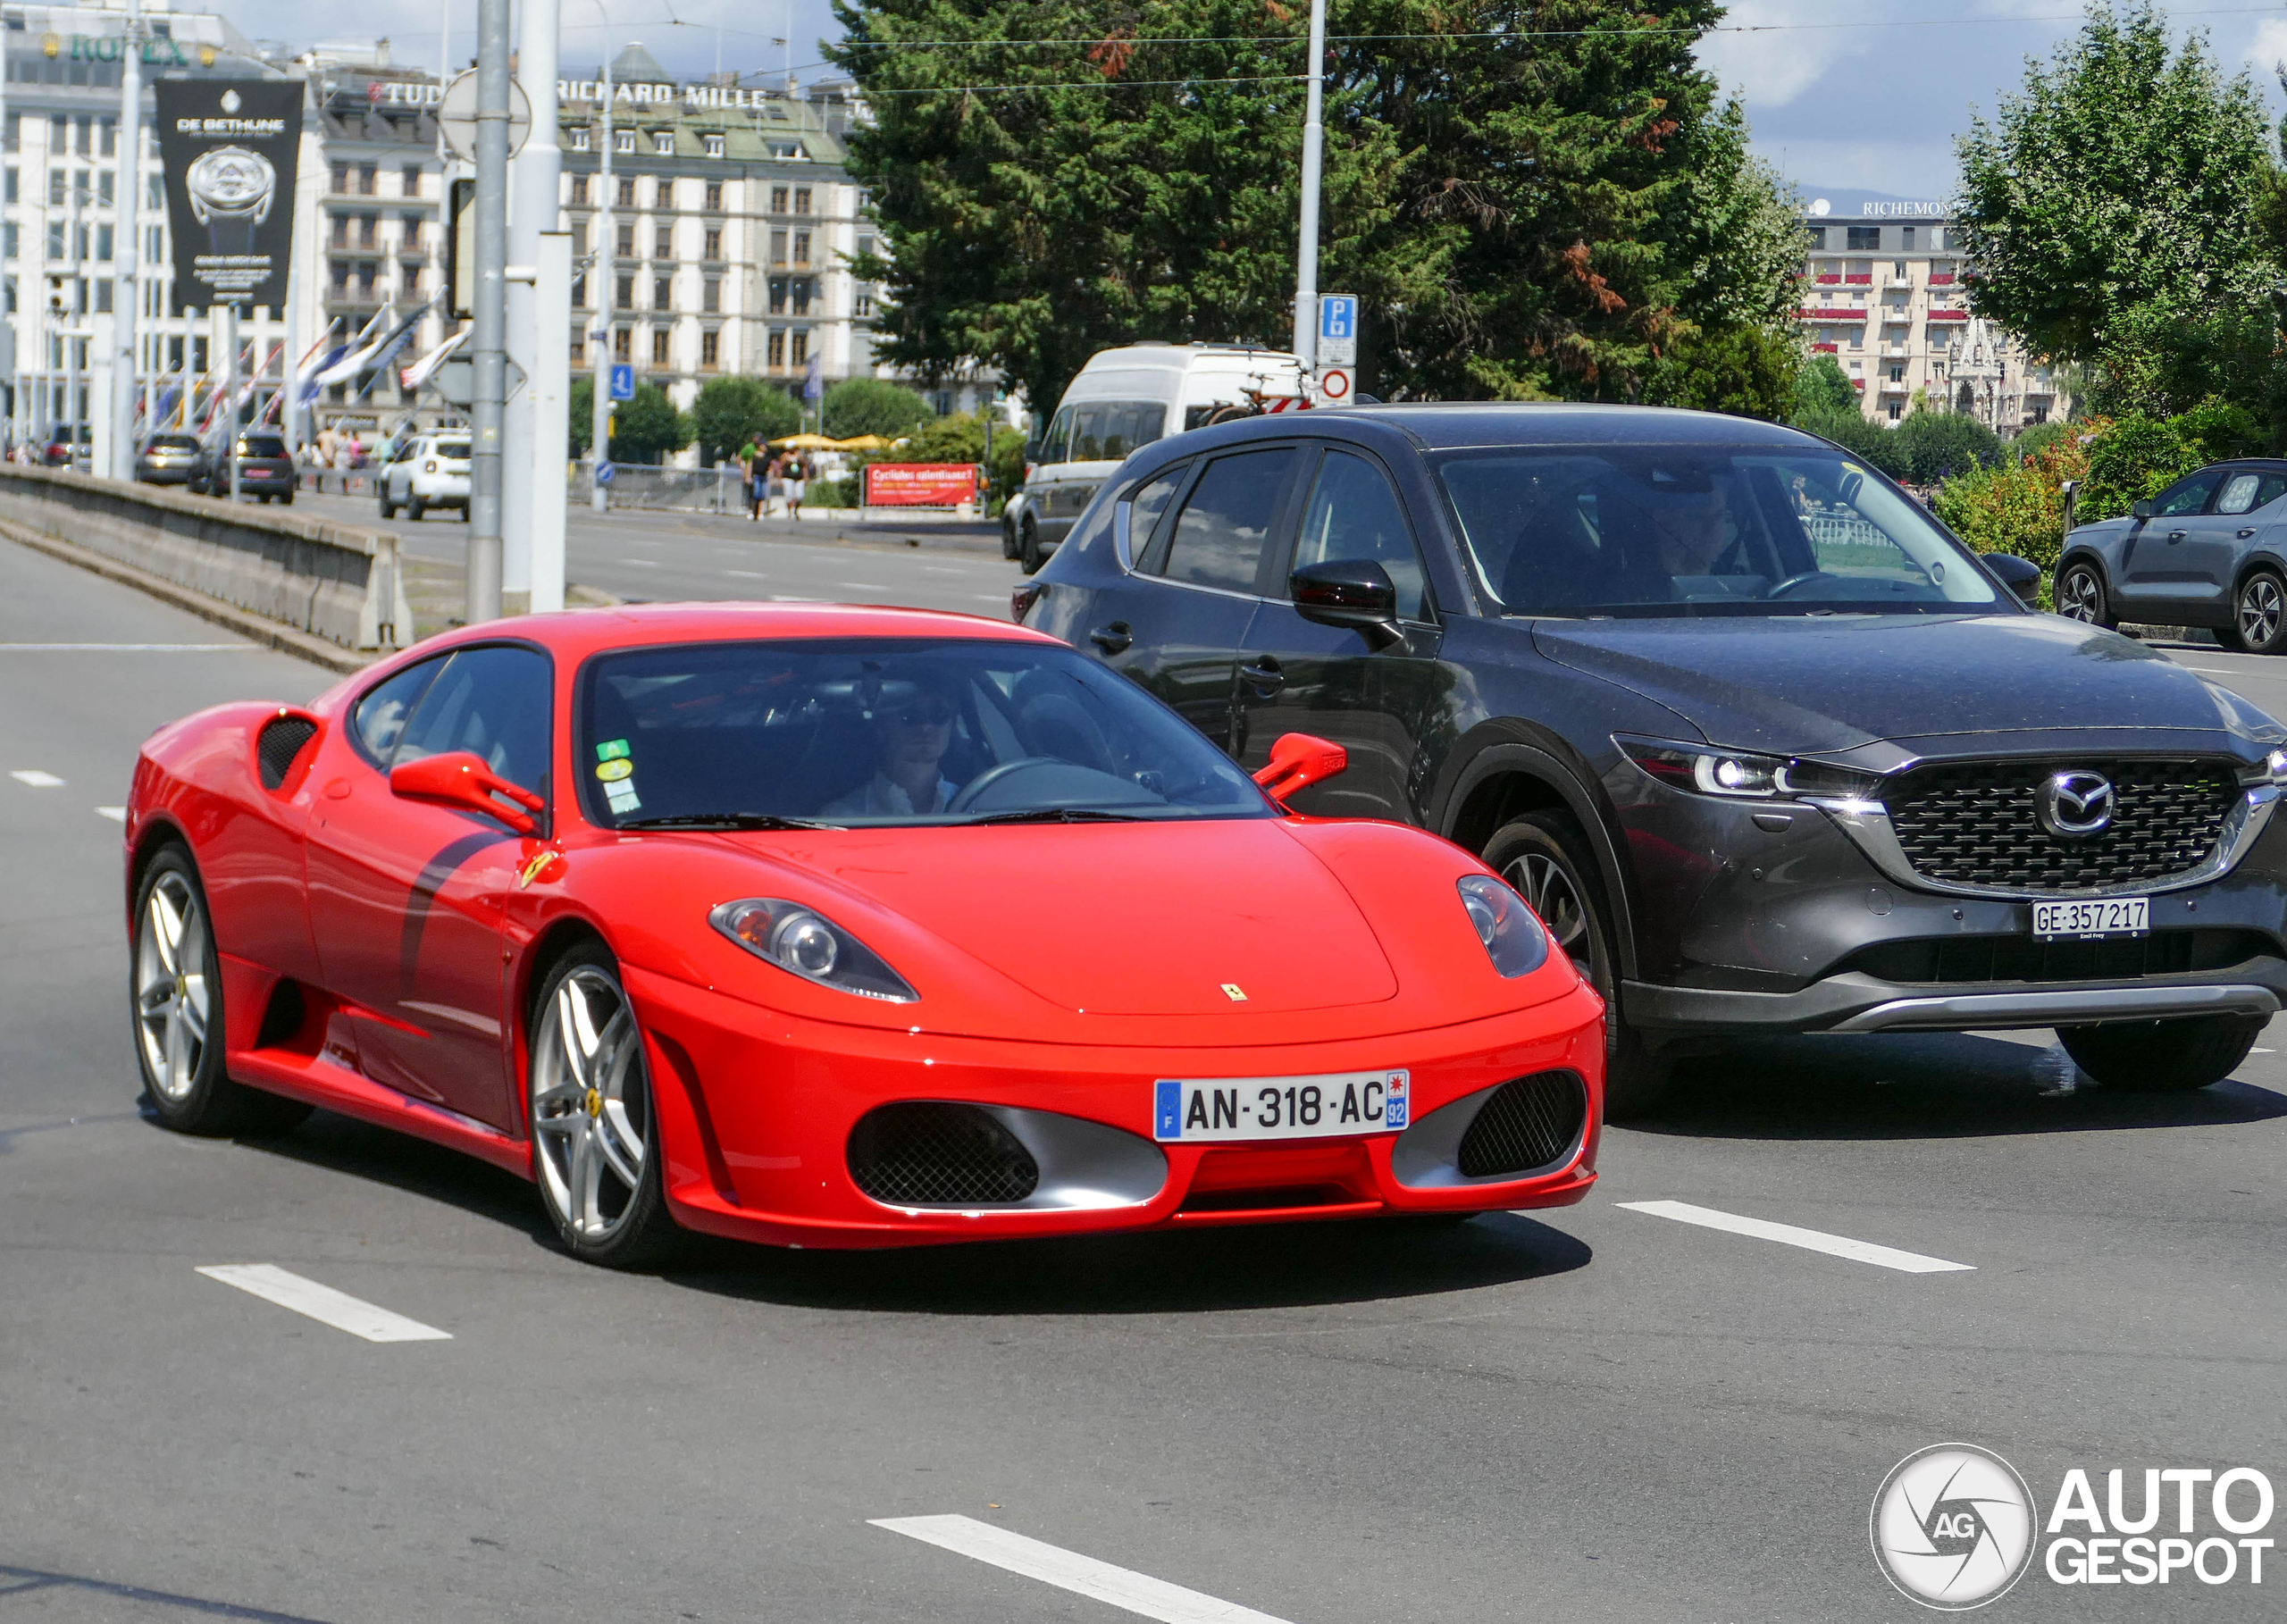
x,y
350,365
390,350
419,373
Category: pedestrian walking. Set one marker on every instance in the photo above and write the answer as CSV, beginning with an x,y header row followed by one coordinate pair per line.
x,y
751,467
798,481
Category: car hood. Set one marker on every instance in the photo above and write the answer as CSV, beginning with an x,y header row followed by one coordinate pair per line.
x,y
1791,685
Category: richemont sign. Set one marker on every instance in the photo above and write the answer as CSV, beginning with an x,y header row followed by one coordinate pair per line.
x,y
396,93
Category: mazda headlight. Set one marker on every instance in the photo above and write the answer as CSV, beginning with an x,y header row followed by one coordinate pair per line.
x,y
1513,939
802,941
1742,775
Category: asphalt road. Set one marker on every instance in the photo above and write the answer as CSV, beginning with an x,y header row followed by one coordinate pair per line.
x,y
1598,1413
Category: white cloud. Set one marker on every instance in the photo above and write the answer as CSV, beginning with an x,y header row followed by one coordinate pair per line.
x,y
1770,69
2268,49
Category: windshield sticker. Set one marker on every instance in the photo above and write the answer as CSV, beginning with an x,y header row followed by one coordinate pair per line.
x,y
612,750
621,794
612,771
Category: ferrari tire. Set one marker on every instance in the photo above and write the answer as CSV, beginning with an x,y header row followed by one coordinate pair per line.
x,y
2163,1056
2260,613
595,1136
1029,557
1545,858
2081,595
176,994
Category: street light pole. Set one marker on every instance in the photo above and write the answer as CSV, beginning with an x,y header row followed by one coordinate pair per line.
x,y
128,301
490,360
530,506
600,422
1306,258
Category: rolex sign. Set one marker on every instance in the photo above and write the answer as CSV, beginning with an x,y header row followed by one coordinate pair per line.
x,y
229,148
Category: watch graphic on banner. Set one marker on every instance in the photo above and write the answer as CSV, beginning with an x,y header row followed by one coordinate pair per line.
x,y
231,192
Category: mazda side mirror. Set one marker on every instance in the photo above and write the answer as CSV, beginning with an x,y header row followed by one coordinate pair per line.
x,y
1297,761
460,780
2140,510
2022,576
1355,592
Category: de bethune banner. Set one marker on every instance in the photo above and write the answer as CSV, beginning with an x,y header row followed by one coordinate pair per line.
x,y
228,146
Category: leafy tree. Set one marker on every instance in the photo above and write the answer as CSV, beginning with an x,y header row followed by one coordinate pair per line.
x,y
2017,506
1937,444
2139,455
1534,198
2121,185
859,407
584,414
959,438
731,411
1823,385
647,428
1874,443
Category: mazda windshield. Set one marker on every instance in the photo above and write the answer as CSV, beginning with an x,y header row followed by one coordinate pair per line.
x,y
843,733
1654,531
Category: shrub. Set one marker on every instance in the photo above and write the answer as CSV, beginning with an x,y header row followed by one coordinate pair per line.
x,y
2018,507
1939,444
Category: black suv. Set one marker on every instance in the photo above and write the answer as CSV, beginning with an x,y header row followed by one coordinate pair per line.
x,y
266,469
1765,745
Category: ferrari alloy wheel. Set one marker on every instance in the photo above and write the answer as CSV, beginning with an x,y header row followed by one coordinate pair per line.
x,y
595,1150
2260,613
2080,596
177,1011
1545,858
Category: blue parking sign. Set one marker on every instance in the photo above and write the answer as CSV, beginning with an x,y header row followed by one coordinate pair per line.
x,y
1337,316
623,382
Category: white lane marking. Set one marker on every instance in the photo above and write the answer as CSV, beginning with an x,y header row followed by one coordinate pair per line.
x,y
1814,1240
793,597
747,574
117,814
323,1303
1136,1592
37,779
649,564
121,647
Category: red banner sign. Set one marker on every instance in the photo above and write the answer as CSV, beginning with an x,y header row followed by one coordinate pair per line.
x,y
920,484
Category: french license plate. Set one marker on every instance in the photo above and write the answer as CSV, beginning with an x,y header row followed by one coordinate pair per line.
x,y
2110,917
1202,1110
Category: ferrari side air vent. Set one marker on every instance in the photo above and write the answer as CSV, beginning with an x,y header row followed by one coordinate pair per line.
x,y
282,739
1527,1124
927,1154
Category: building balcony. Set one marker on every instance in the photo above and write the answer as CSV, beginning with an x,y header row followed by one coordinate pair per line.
x,y
1897,282
1826,279
1824,349
1858,282
1859,384
1830,313
1944,278
1949,315
1894,386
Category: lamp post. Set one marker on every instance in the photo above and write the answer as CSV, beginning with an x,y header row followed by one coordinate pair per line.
x,y
128,302
487,351
600,422
1306,257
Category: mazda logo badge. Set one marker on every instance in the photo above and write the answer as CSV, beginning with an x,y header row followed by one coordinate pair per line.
x,y
2074,804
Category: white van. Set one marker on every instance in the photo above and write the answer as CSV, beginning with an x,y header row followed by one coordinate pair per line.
x,y
1124,398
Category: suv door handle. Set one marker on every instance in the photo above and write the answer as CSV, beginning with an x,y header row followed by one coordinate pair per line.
x,y
1265,677
2245,534
1113,638
2178,535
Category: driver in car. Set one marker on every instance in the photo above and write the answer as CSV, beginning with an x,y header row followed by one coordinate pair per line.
x,y
1693,524
911,727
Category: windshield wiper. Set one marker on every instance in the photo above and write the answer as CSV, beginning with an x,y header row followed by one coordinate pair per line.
x,y
727,820
1062,815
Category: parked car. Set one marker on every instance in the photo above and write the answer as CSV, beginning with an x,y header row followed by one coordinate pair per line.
x,y
2210,550
167,459
266,469
1122,400
430,471
69,449
1768,749
580,882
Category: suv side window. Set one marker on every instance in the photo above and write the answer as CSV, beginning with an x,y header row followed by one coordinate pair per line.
x,y
2245,490
1053,445
1354,515
379,720
1145,507
1225,526
2188,495
494,702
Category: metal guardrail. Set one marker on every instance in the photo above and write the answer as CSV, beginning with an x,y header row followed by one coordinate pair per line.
x,y
342,583
716,490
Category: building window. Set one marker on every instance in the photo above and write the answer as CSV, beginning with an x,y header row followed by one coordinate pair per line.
x,y
864,245
579,344
340,178
1897,374
778,247
157,199
658,346
104,179
777,200
408,233
714,243
798,353
1896,411
802,286
662,243
662,293
341,230
623,141
778,295
862,305
664,194
802,248
663,142
579,144
1908,235
59,189
623,295
710,347
627,244
103,297
802,200
627,191
412,180
369,231
579,191
623,344
109,144
55,243
777,348
579,240
412,281
340,280
103,242
710,296
713,146
579,301
369,180
11,241
1867,237
715,188
783,150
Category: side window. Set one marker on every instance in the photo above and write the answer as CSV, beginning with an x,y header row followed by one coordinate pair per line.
x,y
2249,489
494,703
1053,445
1220,534
1107,430
379,720
1353,516
1145,509
2186,496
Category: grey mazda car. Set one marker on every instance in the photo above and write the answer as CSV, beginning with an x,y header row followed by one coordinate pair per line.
x,y
2210,550
1765,745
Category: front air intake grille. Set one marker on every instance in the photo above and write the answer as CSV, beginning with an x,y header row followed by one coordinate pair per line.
x,y
927,1154
1969,959
1973,823
1527,1124
282,739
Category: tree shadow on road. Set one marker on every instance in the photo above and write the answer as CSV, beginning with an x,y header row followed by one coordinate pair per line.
x,y
1921,1085
1167,1271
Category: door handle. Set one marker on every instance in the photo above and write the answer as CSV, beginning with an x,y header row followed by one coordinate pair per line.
x,y
2176,536
2245,534
1264,676
1113,638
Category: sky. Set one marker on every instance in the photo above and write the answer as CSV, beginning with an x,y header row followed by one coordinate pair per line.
x,y
1844,95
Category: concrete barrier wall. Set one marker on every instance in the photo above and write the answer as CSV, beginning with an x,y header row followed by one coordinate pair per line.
x,y
338,582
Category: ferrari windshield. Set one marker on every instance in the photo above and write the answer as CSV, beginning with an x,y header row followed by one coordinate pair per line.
x,y
878,730
1643,531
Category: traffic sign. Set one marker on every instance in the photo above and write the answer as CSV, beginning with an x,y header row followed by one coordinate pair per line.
x,y
1337,329
603,473
456,116
623,380
1336,384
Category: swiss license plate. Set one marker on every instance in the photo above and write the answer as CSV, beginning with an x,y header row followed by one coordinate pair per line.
x,y
2110,917
1203,1110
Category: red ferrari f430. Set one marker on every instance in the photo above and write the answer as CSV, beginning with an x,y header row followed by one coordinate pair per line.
x,y
825,926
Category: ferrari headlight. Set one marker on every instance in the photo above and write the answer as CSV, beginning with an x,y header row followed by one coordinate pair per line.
x,y
1513,939
804,943
1743,776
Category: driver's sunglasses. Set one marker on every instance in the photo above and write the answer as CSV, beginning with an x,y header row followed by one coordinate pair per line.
x,y
923,713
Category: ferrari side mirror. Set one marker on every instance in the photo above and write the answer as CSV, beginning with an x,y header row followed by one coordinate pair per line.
x,y
1297,761
460,779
